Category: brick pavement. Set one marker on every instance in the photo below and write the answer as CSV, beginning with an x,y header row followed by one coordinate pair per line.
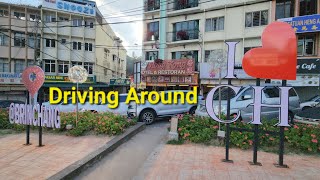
x,y
31,162
204,162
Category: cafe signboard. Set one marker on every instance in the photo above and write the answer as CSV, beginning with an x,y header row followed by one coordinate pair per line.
x,y
65,79
170,68
308,66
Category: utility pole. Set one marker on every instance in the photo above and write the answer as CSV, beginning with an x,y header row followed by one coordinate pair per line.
x,y
118,42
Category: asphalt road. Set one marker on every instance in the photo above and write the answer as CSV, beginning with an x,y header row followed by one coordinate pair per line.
x,y
128,160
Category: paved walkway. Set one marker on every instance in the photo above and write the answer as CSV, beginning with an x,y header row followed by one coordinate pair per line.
x,y
204,162
31,162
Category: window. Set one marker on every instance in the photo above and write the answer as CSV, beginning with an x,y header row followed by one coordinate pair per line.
x,y
259,18
185,55
88,24
34,17
19,39
30,62
74,63
50,66
151,5
4,65
19,15
50,18
284,9
31,41
214,55
186,30
61,19
63,41
246,95
76,45
88,67
308,7
4,39
19,66
88,46
77,22
183,4
246,49
63,66
50,43
292,93
4,13
306,45
114,57
152,55
152,30
271,92
215,24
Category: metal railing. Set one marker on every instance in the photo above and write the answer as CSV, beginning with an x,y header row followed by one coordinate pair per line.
x,y
151,5
184,4
182,35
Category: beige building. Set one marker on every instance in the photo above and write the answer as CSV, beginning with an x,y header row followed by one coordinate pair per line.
x,y
198,29
68,33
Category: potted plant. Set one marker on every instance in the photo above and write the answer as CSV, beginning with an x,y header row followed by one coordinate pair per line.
x,y
183,35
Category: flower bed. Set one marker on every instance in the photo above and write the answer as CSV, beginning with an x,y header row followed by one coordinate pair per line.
x,y
104,123
300,137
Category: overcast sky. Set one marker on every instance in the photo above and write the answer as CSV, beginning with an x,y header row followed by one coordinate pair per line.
x,y
121,11
115,11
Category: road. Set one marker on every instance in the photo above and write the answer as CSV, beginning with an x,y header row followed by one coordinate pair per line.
x,y
128,160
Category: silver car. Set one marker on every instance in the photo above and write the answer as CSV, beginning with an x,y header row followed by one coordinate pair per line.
x,y
244,98
149,112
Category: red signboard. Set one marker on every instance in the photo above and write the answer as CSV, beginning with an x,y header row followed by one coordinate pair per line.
x,y
170,67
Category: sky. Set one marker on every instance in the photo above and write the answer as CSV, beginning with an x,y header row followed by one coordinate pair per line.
x,y
114,11
130,33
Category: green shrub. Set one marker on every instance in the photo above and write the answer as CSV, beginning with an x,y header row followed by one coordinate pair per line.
x,y
300,137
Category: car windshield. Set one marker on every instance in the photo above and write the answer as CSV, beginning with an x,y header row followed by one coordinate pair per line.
x,y
314,98
224,94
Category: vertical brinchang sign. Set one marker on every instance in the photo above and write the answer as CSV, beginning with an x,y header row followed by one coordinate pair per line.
x,y
35,115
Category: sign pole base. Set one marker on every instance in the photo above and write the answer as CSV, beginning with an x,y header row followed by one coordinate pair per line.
x,y
227,161
281,166
254,164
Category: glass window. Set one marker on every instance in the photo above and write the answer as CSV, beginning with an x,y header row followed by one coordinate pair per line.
x,y
308,7
246,95
79,45
292,93
214,55
88,46
50,43
153,30
4,65
4,13
50,66
88,67
74,63
63,66
77,22
258,18
19,15
74,45
4,39
306,45
19,66
34,17
151,55
186,30
61,19
19,39
284,9
271,92
50,18
215,24
185,55
31,41
63,41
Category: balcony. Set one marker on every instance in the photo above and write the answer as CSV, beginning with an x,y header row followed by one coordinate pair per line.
x,y
183,35
151,5
151,36
185,4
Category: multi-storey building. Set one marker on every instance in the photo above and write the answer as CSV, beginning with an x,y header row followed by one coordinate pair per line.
x,y
57,35
198,30
304,16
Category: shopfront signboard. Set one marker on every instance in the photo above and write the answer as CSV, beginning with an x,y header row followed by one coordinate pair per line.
x,y
304,24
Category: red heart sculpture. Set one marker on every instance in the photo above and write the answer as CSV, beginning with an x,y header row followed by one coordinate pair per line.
x,y
33,79
277,58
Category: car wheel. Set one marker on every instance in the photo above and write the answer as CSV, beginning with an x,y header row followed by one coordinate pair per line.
x,y
193,110
148,116
305,108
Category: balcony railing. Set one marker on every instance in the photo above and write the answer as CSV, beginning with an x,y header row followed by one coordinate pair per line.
x,y
151,35
183,35
151,5
184,4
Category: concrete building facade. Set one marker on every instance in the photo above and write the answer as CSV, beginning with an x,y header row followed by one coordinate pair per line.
x,y
64,34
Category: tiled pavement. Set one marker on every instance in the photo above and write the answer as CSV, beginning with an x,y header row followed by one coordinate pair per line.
x,y
31,162
204,162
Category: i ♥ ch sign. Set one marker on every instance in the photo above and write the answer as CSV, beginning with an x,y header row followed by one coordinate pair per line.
x,y
276,59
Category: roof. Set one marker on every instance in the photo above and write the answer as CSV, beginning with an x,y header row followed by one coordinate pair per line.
x,y
31,3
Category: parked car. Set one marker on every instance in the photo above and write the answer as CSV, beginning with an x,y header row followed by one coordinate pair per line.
x,y
244,98
312,102
308,116
149,112
4,104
